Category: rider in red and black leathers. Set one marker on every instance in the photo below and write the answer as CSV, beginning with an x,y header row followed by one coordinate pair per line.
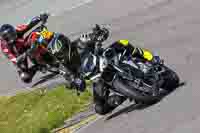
x,y
13,45
16,47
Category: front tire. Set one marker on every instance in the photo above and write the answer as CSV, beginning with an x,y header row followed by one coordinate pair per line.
x,y
102,109
100,97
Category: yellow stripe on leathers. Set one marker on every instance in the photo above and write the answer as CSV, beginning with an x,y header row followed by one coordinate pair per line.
x,y
147,54
124,42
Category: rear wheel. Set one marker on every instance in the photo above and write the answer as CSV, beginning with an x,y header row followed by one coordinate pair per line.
x,y
171,81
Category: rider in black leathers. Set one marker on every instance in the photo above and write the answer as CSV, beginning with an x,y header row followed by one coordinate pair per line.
x,y
104,101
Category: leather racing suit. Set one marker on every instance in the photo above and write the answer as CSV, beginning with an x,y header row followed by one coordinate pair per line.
x,y
19,46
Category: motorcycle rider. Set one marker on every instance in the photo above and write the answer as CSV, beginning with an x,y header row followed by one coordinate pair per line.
x,y
16,47
13,45
103,99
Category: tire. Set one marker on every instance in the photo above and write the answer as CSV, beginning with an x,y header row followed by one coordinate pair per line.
x,y
100,98
99,109
102,109
171,80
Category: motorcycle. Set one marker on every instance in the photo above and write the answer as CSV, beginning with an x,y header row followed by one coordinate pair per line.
x,y
132,78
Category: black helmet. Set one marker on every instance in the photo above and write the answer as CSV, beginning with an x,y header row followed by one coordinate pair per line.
x,y
8,33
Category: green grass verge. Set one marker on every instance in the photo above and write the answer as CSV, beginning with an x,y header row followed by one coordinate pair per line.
x,y
36,112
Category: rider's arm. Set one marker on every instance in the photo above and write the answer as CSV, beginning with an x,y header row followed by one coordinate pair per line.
x,y
23,28
7,52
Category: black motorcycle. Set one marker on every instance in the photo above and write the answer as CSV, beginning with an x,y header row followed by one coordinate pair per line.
x,y
144,82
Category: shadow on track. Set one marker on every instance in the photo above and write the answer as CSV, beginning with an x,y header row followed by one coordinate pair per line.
x,y
140,106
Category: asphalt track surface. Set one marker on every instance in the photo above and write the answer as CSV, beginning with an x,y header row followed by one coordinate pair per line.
x,y
169,27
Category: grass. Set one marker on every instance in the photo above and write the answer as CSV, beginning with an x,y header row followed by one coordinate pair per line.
x,y
39,111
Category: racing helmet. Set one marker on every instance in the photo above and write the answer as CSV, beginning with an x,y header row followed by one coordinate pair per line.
x,y
8,33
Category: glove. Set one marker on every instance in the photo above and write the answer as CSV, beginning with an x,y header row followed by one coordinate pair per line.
x,y
44,17
156,60
79,84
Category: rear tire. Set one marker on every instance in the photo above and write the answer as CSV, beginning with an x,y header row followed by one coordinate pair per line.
x,y
171,81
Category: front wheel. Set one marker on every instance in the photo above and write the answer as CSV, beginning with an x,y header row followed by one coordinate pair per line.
x,y
99,97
